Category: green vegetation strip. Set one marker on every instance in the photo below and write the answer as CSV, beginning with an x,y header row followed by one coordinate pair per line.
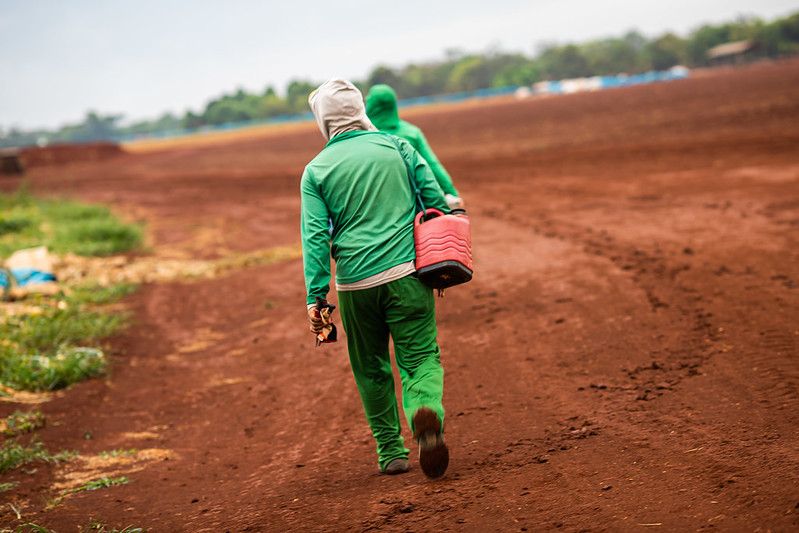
x,y
117,453
14,455
62,226
19,423
51,342
58,342
97,527
103,482
5,487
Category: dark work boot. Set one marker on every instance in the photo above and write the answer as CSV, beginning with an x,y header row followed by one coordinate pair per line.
x,y
433,452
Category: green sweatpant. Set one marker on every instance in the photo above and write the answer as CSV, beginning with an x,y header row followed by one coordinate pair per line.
x,y
404,309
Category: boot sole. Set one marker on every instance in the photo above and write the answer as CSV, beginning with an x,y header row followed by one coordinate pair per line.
x,y
433,451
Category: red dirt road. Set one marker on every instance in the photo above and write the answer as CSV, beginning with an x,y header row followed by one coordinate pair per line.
x,y
625,359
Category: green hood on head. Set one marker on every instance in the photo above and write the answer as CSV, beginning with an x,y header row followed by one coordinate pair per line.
x,y
381,107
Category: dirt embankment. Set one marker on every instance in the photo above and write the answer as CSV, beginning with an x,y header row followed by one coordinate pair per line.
x,y
625,359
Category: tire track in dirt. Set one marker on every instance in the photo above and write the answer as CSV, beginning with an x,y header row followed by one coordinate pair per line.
x,y
782,383
656,276
660,275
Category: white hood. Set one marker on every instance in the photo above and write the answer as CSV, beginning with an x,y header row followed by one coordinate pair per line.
x,y
338,107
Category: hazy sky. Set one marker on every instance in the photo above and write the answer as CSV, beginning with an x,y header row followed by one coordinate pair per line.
x,y
62,58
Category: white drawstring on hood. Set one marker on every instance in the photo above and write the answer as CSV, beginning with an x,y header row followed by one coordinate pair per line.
x,y
338,107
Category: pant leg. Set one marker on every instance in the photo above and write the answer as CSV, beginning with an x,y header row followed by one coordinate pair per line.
x,y
363,319
411,317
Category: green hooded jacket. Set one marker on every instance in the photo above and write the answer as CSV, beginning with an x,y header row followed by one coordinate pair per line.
x,y
381,108
360,184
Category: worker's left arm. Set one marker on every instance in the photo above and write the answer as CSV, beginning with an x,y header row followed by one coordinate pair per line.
x,y
315,232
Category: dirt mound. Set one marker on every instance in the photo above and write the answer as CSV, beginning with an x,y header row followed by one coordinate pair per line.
x,y
61,154
9,161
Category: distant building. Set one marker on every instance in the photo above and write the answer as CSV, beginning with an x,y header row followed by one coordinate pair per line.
x,y
735,53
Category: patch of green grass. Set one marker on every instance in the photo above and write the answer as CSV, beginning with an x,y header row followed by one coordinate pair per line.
x,y
93,525
22,197
56,327
5,487
62,226
101,483
99,527
33,528
52,371
15,223
19,423
95,484
14,455
59,345
118,453
95,294
99,235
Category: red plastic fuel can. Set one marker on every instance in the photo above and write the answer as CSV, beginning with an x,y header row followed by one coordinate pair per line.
x,y
443,248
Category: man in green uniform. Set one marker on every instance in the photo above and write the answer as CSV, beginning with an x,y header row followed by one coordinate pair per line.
x,y
381,108
359,184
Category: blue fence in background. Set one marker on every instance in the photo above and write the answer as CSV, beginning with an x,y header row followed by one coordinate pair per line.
x,y
456,97
541,88
608,82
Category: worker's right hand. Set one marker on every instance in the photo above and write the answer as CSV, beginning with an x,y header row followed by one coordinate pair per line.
x,y
454,202
315,320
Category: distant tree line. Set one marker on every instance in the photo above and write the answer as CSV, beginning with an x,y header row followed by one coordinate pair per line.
x,y
459,72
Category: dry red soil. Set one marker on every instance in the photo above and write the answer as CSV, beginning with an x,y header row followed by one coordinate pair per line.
x,y
625,359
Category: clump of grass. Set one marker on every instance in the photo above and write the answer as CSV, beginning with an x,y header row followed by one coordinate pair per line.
x,y
52,371
101,483
93,525
99,235
95,294
55,327
60,343
95,484
5,487
34,528
14,455
19,423
22,197
41,351
15,223
117,453
62,226
99,527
